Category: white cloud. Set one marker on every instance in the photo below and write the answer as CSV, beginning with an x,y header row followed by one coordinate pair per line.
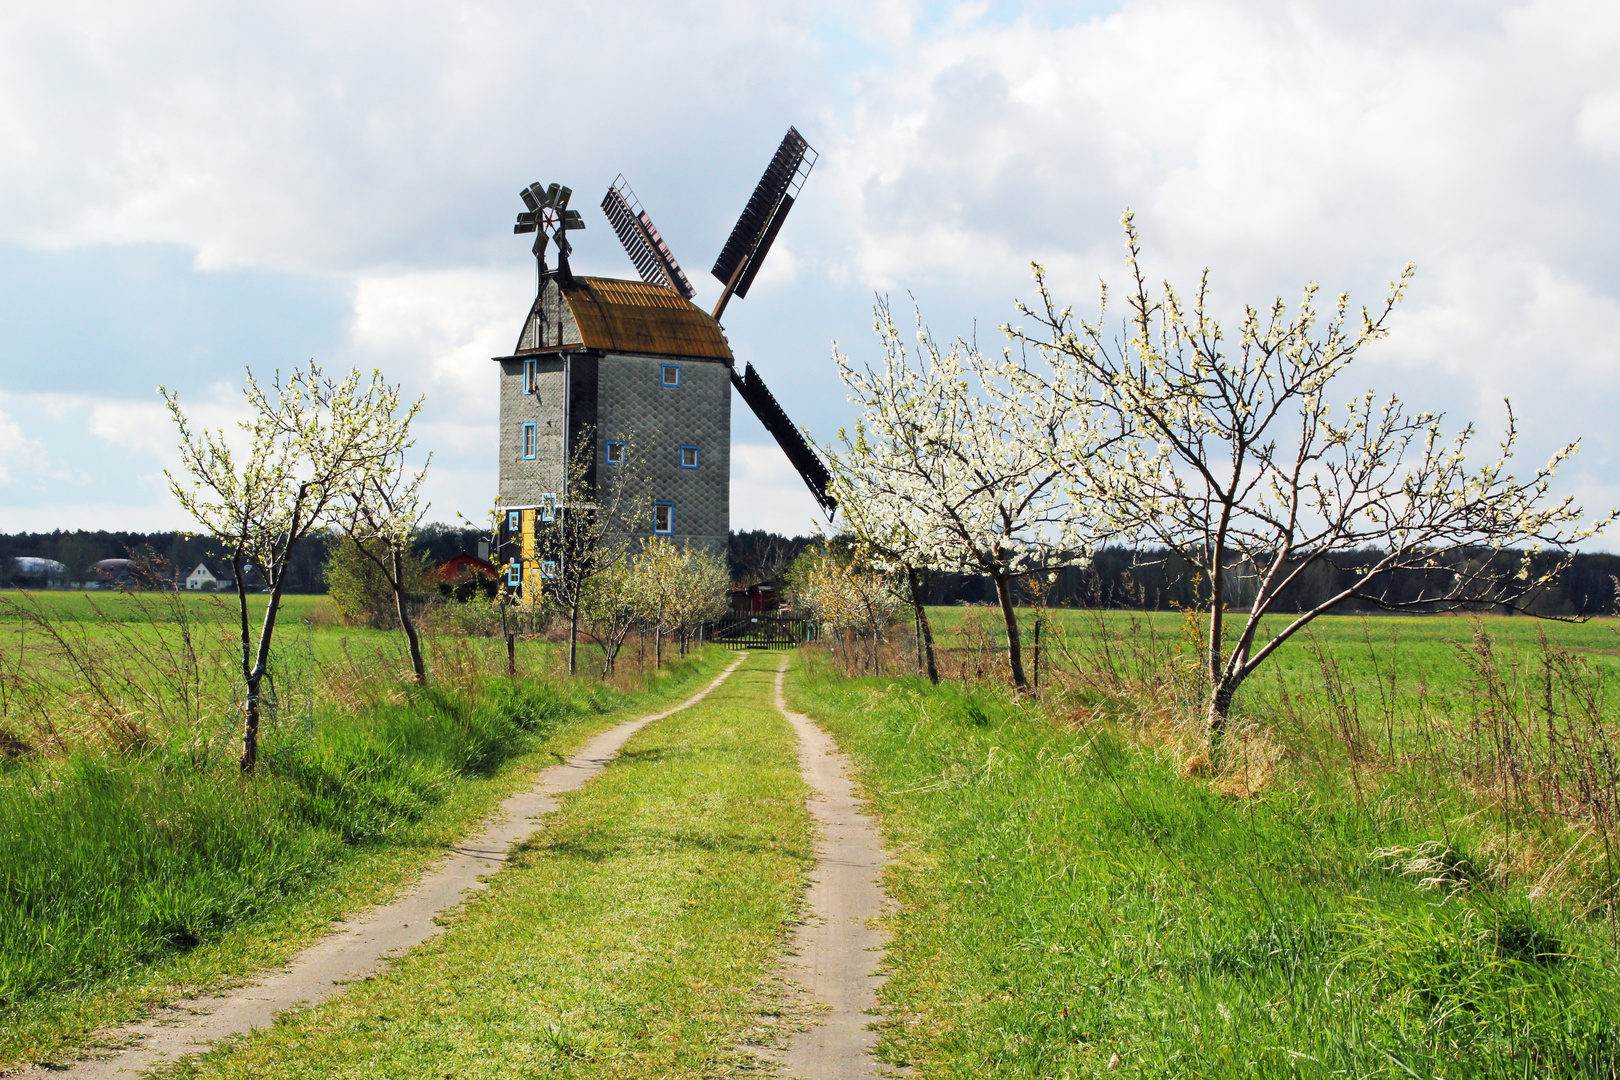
x,y
766,493
340,136
1599,123
133,428
1275,141
21,458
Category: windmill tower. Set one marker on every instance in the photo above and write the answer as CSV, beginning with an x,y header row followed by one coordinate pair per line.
x,y
612,375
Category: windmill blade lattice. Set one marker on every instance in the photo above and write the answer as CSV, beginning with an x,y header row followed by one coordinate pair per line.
x,y
653,260
762,218
793,444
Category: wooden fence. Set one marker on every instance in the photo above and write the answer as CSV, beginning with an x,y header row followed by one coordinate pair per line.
x,y
759,631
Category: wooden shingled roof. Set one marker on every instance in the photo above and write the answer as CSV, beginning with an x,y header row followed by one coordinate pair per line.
x,y
635,317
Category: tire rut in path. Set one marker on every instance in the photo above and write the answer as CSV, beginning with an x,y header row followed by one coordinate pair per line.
x,y
836,951
364,944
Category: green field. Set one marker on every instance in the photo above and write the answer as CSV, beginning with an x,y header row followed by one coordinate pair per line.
x,y
136,861
1071,901
308,626
1402,862
1419,650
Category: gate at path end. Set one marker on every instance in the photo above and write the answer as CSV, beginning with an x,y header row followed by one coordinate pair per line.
x,y
760,632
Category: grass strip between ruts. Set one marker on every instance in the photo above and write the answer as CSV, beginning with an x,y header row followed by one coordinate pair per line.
x,y
55,1026
629,938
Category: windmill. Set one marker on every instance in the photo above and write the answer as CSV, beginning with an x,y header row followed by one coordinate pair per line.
x,y
610,372
735,268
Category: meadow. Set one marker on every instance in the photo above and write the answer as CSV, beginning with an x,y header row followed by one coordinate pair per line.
x,y
1403,864
136,860
1419,652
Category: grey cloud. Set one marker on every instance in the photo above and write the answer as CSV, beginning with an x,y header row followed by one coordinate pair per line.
x,y
1275,141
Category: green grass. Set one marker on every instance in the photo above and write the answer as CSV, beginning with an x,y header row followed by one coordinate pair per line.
x,y
629,939
125,877
1396,674
1066,896
1420,650
98,606
308,630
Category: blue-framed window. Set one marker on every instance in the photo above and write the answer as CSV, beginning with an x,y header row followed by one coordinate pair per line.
x,y
548,568
514,573
531,376
514,521
689,457
531,441
548,508
671,374
663,518
615,453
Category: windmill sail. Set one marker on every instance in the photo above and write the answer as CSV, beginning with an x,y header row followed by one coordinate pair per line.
x,y
763,402
762,218
653,260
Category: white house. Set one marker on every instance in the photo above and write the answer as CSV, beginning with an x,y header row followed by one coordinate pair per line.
x,y
220,575
204,578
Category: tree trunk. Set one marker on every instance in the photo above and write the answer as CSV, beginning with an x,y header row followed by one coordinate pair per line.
x,y
254,675
658,645
1038,621
511,653
1220,707
1015,648
417,664
250,682
925,631
250,729
1217,612
573,633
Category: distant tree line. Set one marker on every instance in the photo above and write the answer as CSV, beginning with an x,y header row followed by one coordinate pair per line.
x,y
1153,580
1159,580
78,551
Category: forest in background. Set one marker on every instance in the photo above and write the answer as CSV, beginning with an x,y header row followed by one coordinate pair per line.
x,y
1117,578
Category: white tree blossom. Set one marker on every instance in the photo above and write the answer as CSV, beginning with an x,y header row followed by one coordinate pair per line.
x,y
1234,456
380,514
948,469
309,442
846,595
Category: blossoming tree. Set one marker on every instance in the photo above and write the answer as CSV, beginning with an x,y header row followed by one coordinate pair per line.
x,y
947,469
309,441
1232,455
380,515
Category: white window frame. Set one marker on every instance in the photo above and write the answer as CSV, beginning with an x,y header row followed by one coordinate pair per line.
x,y
608,455
668,509
694,464
548,508
548,569
514,521
531,376
664,374
514,573
531,440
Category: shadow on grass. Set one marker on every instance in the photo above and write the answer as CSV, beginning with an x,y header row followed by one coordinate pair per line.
x,y
604,847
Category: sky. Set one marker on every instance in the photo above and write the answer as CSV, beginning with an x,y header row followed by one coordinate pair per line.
x,y
193,189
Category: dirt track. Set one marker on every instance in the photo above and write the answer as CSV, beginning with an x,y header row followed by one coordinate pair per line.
x,y
837,949
361,946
